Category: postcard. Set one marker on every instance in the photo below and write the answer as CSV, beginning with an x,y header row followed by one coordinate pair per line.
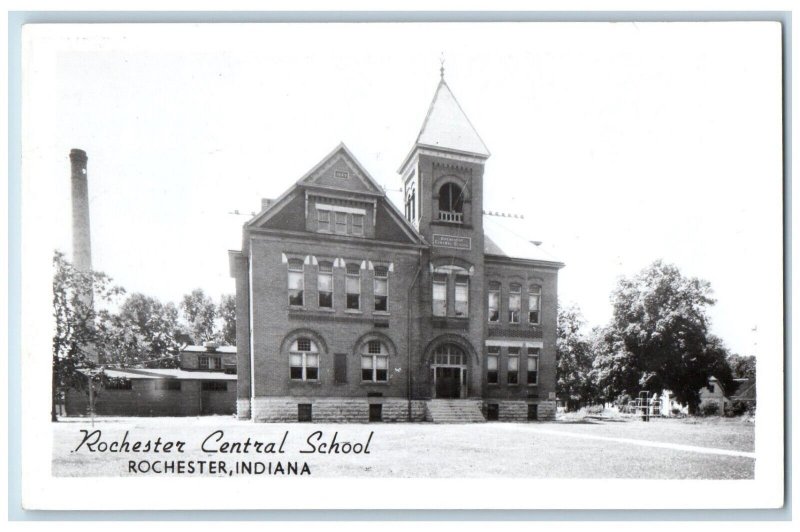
x,y
517,265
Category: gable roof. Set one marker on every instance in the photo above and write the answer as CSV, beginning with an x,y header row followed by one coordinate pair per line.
x,y
446,126
342,153
311,179
504,237
746,391
370,185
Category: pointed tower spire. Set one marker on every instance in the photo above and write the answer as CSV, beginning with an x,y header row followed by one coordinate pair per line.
x,y
446,126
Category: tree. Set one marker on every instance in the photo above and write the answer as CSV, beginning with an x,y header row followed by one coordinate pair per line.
x,y
660,333
145,332
78,343
199,312
743,367
574,377
613,369
227,312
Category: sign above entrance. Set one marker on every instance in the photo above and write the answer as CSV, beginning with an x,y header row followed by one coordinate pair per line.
x,y
453,242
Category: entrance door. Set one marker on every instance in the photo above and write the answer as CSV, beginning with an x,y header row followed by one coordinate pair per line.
x,y
448,383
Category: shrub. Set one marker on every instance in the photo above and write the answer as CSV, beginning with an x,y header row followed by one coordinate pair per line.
x,y
709,409
739,408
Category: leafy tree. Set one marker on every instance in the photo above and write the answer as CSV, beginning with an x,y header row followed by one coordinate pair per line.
x,y
743,367
227,312
200,312
613,369
660,333
574,377
144,332
78,343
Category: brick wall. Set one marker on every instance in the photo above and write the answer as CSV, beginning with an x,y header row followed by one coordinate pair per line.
x,y
334,331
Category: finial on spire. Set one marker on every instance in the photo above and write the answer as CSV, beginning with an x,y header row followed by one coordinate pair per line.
x,y
441,65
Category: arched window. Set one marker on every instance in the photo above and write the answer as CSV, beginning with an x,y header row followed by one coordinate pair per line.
x,y
449,355
304,360
451,203
374,362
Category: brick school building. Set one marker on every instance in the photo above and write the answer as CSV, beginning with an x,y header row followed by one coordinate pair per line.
x,y
350,309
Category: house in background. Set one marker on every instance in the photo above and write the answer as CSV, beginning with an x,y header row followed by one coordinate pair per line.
x,y
349,309
203,384
714,393
745,391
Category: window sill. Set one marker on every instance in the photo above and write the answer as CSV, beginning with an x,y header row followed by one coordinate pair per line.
x,y
298,381
374,383
382,313
533,385
296,307
352,311
325,309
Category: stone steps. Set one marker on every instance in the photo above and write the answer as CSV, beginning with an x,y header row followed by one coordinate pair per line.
x,y
453,411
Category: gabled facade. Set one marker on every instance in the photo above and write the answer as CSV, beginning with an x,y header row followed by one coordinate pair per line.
x,y
349,310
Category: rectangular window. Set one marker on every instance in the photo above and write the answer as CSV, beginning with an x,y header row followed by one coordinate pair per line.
x,y
325,285
533,365
374,368
203,363
358,224
492,412
340,368
353,286
168,385
533,412
494,302
462,296
296,282
491,366
381,288
304,366
341,222
375,412
514,303
534,302
304,412
214,386
512,377
215,362
119,384
439,294
324,220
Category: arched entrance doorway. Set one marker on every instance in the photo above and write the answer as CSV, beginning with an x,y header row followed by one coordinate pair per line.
x,y
449,368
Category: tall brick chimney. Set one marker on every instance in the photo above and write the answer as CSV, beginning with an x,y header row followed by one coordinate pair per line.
x,y
81,240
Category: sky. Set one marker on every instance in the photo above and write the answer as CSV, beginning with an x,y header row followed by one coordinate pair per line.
x,y
620,143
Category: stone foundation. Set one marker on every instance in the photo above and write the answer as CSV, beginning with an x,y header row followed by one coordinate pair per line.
x,y
518,410
243,408
334,410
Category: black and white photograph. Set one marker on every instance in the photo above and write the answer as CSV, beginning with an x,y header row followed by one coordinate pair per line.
x,y
447,265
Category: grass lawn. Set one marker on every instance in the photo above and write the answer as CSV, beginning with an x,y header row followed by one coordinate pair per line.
x,y
535,450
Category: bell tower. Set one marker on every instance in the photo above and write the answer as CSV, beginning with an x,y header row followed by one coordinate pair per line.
x,y
443,198
443,179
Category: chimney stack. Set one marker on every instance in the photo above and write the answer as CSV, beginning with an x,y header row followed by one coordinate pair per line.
x,y
81,240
